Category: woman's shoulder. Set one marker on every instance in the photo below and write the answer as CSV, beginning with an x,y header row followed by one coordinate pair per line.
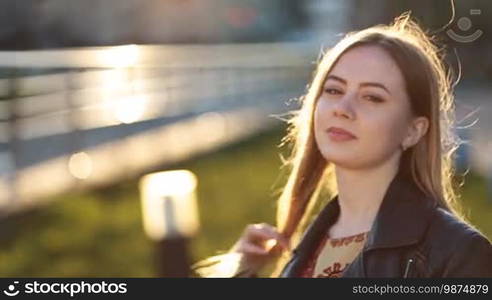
x,y
453,229
456,248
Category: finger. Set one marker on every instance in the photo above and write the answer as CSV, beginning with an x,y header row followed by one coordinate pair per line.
x,y
281,241
272,231
253,249
276,250
269,244
264,232
259,233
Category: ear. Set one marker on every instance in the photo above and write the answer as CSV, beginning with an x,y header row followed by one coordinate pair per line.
x,y
416,130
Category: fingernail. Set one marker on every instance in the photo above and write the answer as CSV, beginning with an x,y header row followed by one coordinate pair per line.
x,y
269,244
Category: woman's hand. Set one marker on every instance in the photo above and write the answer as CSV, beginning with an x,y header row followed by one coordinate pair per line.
x,y
258,245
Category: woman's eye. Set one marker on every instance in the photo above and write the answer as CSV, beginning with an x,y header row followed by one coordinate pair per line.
x,y
332,91
374,98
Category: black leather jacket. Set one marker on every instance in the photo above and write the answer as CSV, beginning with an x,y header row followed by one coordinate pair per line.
x,y
411,237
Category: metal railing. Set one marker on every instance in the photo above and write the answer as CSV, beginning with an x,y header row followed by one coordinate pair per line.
x,y
82,117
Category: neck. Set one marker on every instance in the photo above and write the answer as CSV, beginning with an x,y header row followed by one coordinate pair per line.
x,y
360,193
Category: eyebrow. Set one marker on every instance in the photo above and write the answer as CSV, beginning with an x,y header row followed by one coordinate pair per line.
x,y
375,84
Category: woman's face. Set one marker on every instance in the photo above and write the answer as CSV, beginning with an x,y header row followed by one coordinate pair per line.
x,y
364,95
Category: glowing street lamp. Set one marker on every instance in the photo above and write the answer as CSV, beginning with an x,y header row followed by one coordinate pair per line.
x,y
170,217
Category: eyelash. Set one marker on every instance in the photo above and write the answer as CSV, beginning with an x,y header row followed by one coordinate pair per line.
x,y
375,99
330,89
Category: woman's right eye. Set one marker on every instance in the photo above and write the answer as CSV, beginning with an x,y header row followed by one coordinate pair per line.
x,y
332,91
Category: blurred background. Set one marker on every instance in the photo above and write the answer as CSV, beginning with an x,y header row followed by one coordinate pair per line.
x,y
96,94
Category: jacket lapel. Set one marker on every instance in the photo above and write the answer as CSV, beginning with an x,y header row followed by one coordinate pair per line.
x,y
311,239
403,216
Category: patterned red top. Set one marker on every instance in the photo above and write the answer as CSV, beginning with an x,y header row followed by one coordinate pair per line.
x,y
333,256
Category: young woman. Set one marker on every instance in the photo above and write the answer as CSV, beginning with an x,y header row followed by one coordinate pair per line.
x,y
374,136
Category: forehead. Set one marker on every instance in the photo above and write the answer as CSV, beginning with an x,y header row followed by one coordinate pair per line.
x,y
369,64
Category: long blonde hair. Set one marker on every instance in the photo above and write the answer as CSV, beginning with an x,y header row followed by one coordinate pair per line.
x,y
428,163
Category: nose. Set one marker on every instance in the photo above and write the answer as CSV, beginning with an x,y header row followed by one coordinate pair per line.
x,y
343,108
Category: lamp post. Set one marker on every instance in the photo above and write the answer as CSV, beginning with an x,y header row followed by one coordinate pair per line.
x,y
170,218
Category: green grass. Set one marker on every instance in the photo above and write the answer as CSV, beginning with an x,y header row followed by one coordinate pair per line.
x,y
88,234
100,234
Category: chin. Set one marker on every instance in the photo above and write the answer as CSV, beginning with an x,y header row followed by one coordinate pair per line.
x,y
337,158
345,160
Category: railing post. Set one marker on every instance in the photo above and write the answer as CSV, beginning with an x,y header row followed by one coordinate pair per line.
x,y
13,135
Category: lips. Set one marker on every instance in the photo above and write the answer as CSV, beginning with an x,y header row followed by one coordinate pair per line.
x,y
339,134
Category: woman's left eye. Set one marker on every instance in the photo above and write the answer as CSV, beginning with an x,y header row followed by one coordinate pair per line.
x,y
374,98
332,91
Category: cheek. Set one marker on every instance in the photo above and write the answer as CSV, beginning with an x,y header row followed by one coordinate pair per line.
x,y
385,131
321,116
319,123
321,111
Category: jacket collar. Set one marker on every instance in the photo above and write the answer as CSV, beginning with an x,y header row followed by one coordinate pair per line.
x,y
402,219
403,216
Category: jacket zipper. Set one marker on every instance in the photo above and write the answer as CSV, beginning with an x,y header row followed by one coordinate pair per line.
x,y
407,268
